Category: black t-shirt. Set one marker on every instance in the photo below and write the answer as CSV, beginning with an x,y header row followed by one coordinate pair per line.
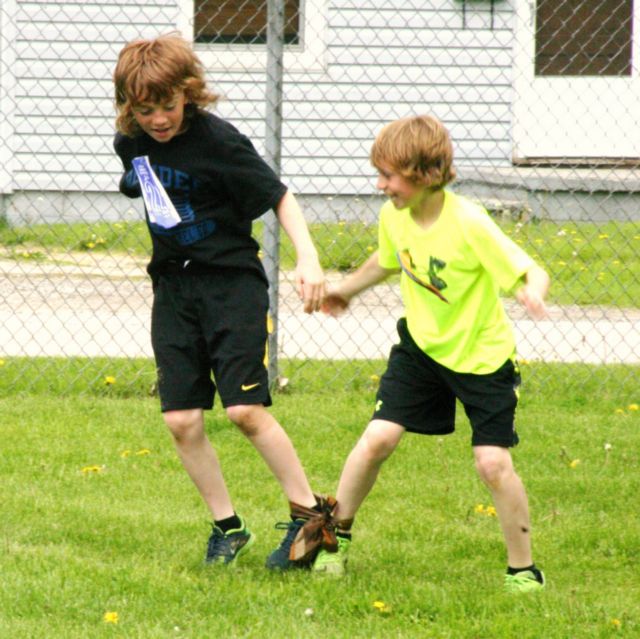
x,y
218,184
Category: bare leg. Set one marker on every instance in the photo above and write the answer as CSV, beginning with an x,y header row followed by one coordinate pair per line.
x,y
363,464
199,459
495,466
275,447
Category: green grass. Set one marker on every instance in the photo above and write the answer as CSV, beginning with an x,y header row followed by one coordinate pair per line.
x,y
129,537
589,263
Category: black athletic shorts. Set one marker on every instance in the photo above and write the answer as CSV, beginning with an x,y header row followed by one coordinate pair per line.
x,y
210,322
419,394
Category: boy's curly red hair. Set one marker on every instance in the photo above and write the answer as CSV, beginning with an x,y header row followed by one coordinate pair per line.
x,y
418,148
151,71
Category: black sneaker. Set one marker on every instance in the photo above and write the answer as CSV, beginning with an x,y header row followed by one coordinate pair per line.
x,y
225,548
279,558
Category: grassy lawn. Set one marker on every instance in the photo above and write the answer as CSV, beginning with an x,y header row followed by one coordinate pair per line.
x,y
98,517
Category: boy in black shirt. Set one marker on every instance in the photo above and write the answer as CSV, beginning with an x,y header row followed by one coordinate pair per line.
x,y
203,184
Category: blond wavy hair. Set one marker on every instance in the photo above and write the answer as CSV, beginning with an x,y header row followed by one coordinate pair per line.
x,y
418,148
152,71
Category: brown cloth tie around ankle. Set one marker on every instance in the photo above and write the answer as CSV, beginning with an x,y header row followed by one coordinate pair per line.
x,y
317,533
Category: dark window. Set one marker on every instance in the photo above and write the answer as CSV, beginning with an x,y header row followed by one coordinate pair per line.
x,y
583,37
241,21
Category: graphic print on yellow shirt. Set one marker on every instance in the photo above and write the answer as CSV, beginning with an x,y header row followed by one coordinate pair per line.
x,y
435,284
468,259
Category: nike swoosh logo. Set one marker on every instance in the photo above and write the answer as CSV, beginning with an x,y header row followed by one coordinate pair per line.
x,y
247,387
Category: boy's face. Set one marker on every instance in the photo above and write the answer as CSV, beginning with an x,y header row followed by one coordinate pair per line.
x,y
162,121
402,192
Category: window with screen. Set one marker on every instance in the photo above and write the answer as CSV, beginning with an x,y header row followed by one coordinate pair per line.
x,y
583,37
241,21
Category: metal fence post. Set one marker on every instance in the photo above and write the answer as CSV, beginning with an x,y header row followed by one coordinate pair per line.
x,y
273,142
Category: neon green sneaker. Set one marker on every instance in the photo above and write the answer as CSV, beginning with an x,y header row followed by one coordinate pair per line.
x,y
333,563
523,581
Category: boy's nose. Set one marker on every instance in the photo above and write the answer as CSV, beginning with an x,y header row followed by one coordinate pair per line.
x,y
158,117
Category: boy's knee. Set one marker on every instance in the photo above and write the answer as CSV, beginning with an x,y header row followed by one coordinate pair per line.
x,y
494,466
246,417
378,442
184,424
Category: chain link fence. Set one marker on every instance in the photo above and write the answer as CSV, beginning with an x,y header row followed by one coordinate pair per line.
x,y
540,98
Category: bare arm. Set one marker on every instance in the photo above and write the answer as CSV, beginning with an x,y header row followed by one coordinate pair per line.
x,y
370,273
532,294
309,275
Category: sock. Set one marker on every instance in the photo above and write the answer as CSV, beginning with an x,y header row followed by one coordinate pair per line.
x,y
343,528
230,523
532,568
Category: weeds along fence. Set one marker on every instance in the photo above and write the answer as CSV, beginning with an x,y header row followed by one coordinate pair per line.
x,y
540,98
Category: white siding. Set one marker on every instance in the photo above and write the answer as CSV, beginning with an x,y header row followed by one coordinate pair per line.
x,y
387,60
384,59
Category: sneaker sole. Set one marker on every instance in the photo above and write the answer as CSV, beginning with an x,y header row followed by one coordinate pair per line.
x,y
330,572
333,570
291,566
244,549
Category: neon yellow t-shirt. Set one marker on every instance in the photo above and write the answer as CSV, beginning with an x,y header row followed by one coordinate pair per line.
x,y
469,259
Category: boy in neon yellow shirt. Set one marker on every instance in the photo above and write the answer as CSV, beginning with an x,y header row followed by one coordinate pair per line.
x,y
455,341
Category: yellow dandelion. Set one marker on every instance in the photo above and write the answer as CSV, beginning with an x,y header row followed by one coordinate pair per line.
x,y
479,508
143,451
125,453
619,411
381,607
603,236
491,511
92,469
109,380
573,463
110,617
633,407
374,378
616,623
369,249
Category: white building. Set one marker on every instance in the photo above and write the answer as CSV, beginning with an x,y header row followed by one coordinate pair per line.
x,y
541,102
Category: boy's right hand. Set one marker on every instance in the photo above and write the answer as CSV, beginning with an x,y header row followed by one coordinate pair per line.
x,y
334,304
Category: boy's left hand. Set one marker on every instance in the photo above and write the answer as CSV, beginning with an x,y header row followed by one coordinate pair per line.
x,y
529,297
310,284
